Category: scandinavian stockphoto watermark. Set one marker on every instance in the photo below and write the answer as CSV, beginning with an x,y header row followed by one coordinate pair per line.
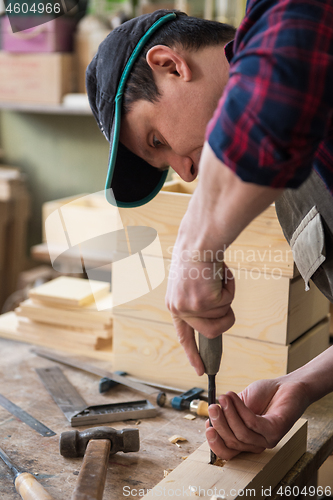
x,y
93,236
192,491
88,233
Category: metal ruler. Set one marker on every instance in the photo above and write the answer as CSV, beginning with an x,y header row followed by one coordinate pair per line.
x,y
137,386
75,408
25,417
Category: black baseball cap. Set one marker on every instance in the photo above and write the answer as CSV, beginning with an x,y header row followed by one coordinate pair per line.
x,y
133,181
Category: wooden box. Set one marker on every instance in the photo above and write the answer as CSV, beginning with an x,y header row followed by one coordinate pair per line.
x,y
35,78
260,247
150,351
266,308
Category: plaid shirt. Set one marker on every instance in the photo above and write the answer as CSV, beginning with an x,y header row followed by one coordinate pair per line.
x,y
274,121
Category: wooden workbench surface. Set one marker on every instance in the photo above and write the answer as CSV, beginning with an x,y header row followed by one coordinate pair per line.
x,y
20,383
135,472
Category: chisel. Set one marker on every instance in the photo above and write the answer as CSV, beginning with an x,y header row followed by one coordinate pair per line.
x,y
25,484
210,351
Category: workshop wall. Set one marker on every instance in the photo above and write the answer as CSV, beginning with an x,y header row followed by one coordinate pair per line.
x,y
61,155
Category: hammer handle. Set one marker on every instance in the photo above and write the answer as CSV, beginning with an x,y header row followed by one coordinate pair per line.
x,y
29,488
91,479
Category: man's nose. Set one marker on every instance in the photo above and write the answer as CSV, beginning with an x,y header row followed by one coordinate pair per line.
x,y
183,165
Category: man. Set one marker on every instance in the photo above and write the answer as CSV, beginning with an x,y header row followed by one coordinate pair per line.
x,y
272,130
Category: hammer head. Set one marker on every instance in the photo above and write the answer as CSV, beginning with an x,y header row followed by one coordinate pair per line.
x,y
73,443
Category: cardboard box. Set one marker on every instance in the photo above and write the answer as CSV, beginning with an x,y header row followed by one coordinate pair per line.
x,y
35,78
55,35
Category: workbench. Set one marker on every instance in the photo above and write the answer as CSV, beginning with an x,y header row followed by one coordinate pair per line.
x,y
135,471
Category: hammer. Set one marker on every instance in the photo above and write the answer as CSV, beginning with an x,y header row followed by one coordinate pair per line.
x,y
96,445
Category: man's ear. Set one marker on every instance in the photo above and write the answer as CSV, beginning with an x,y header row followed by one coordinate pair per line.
x,y
165,61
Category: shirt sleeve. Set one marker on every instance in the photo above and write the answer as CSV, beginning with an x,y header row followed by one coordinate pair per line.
x,y
277,106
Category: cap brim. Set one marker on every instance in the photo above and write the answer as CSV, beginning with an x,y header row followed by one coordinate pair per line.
x,y
133,181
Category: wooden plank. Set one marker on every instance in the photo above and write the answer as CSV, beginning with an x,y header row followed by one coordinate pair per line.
x,y
74,292
9,329
55,329
92,339
151,351
246,475
85,317
267,308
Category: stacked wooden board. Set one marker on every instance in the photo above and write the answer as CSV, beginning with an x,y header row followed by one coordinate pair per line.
x,y
14,215
69,314
278,328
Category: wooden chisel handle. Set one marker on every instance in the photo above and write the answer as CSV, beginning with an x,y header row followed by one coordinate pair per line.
x,y
91,479
29,488
210,351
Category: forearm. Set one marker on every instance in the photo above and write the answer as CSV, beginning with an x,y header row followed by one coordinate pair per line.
x,y
221,207
316,376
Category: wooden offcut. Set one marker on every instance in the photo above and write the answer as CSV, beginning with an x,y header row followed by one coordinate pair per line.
x,y
247,475
72,292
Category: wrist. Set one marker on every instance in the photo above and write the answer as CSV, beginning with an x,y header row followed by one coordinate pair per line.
x,y
198,240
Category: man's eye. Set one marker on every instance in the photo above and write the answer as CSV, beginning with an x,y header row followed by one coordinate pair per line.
x,y
156,142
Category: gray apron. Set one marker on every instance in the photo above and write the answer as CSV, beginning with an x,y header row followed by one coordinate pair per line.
x,y
306,218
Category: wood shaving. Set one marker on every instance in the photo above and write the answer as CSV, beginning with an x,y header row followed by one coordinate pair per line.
x,y
174,439
166,472
190,417
184,458
138,422
220,463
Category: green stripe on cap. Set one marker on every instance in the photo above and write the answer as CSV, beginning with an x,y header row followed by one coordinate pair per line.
x,y
117,116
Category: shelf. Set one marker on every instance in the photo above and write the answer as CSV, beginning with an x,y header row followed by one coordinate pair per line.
x,y
45,109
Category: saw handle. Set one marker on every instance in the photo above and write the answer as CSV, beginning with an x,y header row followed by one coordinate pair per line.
x,y
29,488
91,479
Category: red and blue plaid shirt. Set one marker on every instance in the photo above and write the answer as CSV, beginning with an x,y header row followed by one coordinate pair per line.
x,y
274,122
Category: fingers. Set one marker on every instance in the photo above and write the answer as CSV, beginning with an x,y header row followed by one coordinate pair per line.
x,y
186,338
243,440
218,446
271,427
212,327
241,423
